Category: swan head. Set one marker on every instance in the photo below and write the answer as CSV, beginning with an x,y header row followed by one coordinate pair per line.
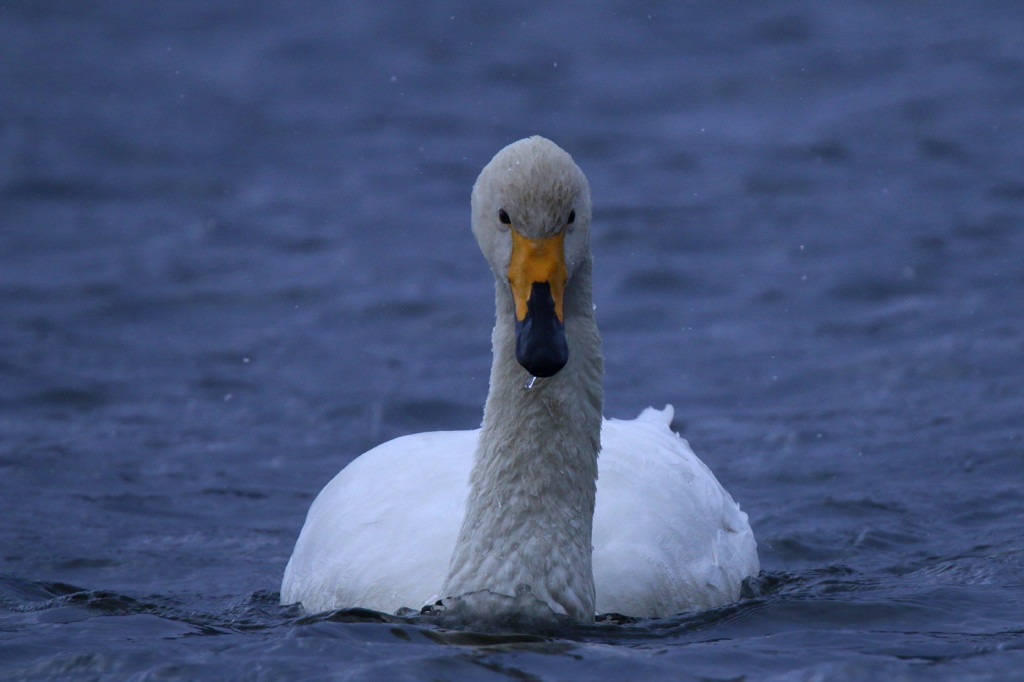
x,y
531,218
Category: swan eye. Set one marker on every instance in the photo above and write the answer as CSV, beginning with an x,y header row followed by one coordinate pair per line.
x,y
503,217
572,217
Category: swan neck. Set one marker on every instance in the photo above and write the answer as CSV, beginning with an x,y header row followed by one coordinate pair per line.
x,y
529,514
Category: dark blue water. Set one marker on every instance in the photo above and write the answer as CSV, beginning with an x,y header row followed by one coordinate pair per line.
x,y
234,253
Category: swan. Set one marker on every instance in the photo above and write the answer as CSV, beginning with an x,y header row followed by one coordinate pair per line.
x,y
517,507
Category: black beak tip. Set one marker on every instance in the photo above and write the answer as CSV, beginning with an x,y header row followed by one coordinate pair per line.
x,y
544,361
541,347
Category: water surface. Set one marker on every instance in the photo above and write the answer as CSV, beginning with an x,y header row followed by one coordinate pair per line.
x,y
234,253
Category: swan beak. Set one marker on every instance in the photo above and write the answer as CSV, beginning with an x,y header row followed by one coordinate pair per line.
x,y
537,276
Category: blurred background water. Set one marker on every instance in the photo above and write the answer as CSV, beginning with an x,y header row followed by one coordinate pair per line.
x,y
234,253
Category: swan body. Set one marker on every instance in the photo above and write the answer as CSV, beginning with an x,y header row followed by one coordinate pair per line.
x,y
516,510
667,537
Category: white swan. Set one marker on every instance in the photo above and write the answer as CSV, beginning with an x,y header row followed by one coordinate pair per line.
x,y
509,509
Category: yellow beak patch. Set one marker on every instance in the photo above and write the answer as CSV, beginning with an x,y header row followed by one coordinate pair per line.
x,y
536,262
